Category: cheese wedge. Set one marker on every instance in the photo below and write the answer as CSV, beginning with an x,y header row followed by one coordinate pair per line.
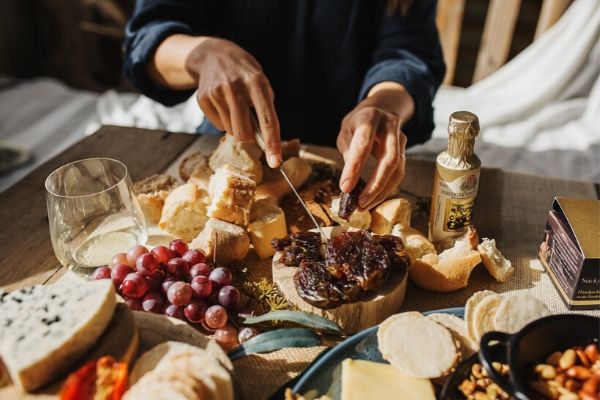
x,y
369,380
269,225
45,329
389,213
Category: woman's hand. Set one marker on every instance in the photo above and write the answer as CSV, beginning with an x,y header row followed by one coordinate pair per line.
x,y
374,127
229,81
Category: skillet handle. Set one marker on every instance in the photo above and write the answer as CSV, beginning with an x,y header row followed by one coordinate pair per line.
x,y
495,338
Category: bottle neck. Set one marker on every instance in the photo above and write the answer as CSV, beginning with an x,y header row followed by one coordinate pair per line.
x,y
461,148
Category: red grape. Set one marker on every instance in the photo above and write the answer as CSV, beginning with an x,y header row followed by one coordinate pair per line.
x,y
227,336
193,256
167,284
134,285
119,272
155,281
162,253
102,273
195,311
201,286
246,334
178,267
134,252
134,304
200,269
175,311
154,302
119,258
178,247
220,277
146,264
215,317
179,293
229,296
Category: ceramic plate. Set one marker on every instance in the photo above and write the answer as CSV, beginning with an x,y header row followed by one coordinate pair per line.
x,y
324,375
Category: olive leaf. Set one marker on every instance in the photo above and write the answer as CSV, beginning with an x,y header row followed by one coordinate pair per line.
x,y
275,340
299,317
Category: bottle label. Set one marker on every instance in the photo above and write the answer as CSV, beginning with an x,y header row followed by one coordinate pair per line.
x,y
452,205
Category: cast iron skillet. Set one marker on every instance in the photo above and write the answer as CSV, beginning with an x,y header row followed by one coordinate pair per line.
x,y
531,345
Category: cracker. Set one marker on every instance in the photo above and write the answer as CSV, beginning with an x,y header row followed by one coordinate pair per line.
x,y
517,311
470,309
458,329
484,315
417,346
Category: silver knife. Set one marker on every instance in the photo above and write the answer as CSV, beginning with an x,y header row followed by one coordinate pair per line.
x,y
261,143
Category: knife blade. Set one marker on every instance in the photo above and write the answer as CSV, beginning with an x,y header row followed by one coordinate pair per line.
x,y
258,136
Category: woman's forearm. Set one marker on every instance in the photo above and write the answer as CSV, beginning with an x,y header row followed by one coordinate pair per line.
x,y
173,63
394,98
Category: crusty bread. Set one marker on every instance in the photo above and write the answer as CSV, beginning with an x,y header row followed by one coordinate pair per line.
x,y
245,156
448,270
201,177
191,163
231,194
268,224
151,193
416,244
274,184
230,242
417,346
360,219
184,212
469,238
389,213
290,148
496,264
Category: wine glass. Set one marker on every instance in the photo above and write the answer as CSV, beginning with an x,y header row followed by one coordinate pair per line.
x,y
93,213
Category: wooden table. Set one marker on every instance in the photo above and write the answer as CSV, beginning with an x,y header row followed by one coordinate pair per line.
x,y
511,208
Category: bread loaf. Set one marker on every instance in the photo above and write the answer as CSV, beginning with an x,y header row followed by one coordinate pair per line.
x,y
191,163
231,194
244,156
184,212
151,193
222,241
268,224
389,213
274,184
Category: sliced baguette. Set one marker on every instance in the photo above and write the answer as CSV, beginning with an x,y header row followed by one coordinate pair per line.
x,y
232,195
184,212
151,193
201,177
497,265
222,241
244,156
192,163
390,213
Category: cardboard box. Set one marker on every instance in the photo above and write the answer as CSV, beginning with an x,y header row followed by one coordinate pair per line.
x,y
570,252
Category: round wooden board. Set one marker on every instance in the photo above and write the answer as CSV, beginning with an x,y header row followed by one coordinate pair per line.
x,y
127,343
351,317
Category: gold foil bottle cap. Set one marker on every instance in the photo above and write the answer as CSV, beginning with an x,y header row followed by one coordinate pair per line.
x,y
463,125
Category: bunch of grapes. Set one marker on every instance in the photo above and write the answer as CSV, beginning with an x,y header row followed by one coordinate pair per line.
x,y
177,281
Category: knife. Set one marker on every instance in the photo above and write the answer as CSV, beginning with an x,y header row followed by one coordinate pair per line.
x,y
258,136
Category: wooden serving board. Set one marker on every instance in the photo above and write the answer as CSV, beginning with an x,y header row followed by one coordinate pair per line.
x,y
351,317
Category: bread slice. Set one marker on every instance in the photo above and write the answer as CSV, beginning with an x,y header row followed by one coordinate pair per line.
x,y
360,219
269,224
514,312
484,315
231,194
184,212
45,329
417,346
497,265
470,307
274,184
389,213
201,177
245,156
191,163
151,193
222,241
458,329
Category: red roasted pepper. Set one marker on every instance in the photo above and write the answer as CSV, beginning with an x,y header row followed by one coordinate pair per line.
x,y
103,379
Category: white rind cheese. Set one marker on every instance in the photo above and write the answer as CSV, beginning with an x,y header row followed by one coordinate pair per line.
x,y
44,329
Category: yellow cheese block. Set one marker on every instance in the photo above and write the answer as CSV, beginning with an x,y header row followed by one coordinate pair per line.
x,y
369,380
271,224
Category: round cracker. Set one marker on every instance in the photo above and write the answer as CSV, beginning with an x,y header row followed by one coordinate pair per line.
x,y
470,311
417,346
484,315
458,329
517,311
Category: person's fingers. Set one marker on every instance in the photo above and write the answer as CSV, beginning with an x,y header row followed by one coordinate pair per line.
x,y
386,166
210,111
390,186
239,109
260,94
357,153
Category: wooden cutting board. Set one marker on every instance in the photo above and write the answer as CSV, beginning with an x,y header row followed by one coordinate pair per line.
x,y
351,317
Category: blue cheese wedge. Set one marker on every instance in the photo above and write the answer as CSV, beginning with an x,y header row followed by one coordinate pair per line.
x,y
45,329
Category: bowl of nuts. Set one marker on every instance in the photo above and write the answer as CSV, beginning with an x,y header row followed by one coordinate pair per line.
x,y
555,357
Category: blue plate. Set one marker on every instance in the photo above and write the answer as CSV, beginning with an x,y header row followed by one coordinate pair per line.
x,y
324,376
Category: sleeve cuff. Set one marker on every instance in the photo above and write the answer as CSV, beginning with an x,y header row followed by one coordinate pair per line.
x,y
140,50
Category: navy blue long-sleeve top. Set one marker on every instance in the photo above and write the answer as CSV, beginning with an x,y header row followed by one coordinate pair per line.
x,y
321,57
